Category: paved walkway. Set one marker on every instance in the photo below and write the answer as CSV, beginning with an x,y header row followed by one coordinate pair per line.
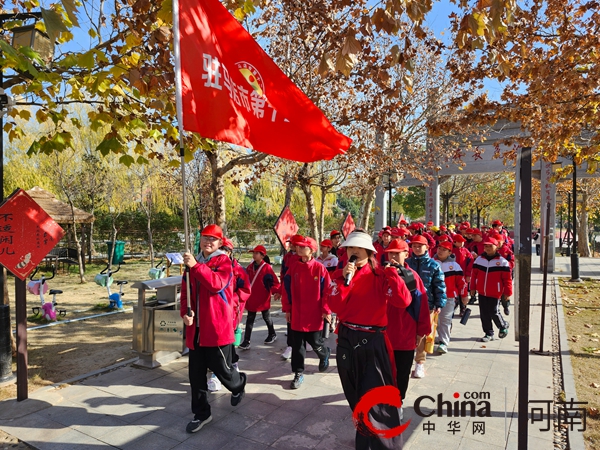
x,y
134,408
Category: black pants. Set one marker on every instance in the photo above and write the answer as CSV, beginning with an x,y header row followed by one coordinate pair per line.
x,y
404,360
369,367
314,338
489,311
266,315
218,360
289,334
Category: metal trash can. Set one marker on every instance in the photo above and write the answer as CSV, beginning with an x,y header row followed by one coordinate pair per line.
x,y
119,251
157,324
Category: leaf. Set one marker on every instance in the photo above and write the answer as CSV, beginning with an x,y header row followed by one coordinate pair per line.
x,y
133,40
588,325
87,60
25,114
343,64
595,385
109,145
325,65
165,13
70,8
408,82
351,46
54,24
127,160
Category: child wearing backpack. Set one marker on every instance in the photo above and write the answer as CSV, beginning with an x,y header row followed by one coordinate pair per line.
x,y
263,283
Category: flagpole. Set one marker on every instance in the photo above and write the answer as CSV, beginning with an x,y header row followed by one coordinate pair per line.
x,y
179,105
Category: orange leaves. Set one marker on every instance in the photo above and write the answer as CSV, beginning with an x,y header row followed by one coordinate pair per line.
x,y
348,55
383,20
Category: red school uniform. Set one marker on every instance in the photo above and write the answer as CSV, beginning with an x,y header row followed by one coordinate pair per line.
x,y
240,291
264,282
306,295
213,311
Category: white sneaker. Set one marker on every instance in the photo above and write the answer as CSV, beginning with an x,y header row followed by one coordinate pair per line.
x,y
287,354
308,347
419,371
214,384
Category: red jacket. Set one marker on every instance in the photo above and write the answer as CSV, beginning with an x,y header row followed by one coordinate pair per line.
x,y
306,295
365,301
475,247
402,329
241,292
288,261
456,287
464,259
491,276
210,301
508,255
265,283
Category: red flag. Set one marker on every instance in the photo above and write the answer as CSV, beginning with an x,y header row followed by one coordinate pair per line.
x,y
232,91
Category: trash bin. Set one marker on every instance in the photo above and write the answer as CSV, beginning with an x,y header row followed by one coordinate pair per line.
x,y
119,251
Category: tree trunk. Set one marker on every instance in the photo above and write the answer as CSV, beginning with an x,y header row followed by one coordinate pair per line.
x,y
304,181
79,253
91,248
150,244
218,190
583,243
290,185
322,214
365,209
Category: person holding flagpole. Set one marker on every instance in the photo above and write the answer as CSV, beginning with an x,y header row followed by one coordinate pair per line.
x,y
208,329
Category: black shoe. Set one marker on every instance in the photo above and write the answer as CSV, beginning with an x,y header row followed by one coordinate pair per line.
x,y
298,380
324,363
196,425
237,398
244,345
506,311
270,339
472,300
503,332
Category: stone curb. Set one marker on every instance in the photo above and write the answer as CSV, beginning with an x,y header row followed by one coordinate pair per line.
x,y
574,438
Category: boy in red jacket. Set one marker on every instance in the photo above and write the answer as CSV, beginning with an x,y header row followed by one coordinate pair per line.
x,y
304,301
208,327
492,281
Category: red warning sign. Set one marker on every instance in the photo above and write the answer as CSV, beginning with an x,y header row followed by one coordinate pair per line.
x,y
27,234
286,226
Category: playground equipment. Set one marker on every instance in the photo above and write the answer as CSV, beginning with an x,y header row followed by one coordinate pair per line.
x,y
40,287
105,279
156,273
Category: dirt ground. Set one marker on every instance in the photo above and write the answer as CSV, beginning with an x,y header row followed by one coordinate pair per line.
x,y
64,351
581,306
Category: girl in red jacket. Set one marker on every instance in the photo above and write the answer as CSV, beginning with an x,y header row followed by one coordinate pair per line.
x,y
208,330
360,295
406,324
263,282
304,301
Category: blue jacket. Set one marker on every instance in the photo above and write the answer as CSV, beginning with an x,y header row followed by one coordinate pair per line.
x,y
433,278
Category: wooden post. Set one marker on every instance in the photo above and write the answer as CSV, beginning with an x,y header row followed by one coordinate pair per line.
x,y
21,315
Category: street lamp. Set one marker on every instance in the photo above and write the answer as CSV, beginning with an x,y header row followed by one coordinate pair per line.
x,y
392,178
27,36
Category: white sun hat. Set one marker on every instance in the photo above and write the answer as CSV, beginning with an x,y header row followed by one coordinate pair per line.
x,y
359,239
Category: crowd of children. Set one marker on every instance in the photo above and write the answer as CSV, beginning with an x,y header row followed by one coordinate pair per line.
x,y
383,296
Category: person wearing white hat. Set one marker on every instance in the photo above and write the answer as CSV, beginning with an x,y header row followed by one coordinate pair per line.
x,y
359,294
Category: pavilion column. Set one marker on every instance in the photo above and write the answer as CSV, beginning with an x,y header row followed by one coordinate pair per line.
x,y
432,201
380,208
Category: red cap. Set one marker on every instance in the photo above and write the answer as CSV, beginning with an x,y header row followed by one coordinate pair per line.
x,y
443,228
213,231
259,249
326,243
403,222
430,223
475,231
413,226
490,241
308,242
467,224
458,238
334,233
463,227
396,246
227,243
387,230
419,240
296,238
446,244
443,238
496,222
398,232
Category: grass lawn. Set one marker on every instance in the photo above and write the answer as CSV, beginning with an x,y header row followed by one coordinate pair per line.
x,y
582,307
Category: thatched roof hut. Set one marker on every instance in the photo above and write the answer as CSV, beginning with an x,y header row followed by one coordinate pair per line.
x,y
58,210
